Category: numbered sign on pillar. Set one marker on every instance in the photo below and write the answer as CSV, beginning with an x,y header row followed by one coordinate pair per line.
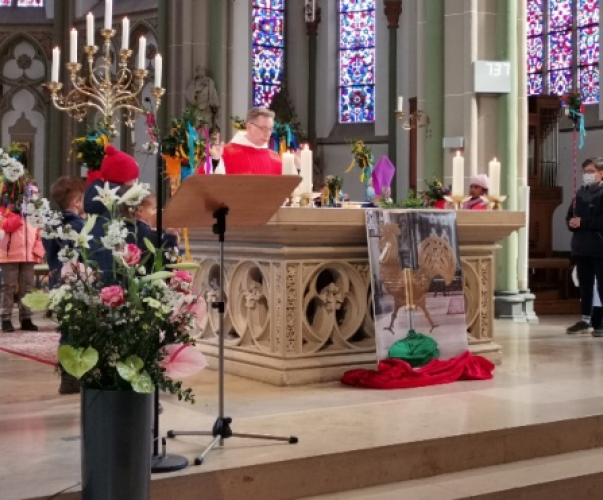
x,y
492,77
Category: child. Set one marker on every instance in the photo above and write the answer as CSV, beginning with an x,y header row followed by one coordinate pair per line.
x,y
478,189
143,227
68,194
20,250
585,221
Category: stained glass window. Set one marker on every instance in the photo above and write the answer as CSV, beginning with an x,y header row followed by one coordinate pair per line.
x,y
356,61
563,47
30,3
267,48
5,3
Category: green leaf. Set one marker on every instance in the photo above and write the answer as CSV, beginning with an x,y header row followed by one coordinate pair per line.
x,y
183,265
160,275
38,300
149,245
143,383
130,368
77,362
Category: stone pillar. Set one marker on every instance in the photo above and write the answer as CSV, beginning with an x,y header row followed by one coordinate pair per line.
x,y
393,10
218,58
312,32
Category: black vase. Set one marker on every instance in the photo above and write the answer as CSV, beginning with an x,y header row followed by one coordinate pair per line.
x,y
116,445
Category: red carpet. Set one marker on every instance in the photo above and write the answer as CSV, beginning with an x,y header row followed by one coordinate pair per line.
x,y
397,374
39,346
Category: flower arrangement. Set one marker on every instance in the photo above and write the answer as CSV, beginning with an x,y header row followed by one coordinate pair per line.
x,y
129,331
284,138
16,181
90,151
183,141
411,201
434,195
362,156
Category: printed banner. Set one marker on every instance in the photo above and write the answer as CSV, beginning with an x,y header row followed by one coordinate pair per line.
x,y
416,278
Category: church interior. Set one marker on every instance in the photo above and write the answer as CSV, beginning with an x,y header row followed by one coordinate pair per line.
x,y
450,92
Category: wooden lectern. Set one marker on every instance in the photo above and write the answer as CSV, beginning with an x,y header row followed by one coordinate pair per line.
x,y
246,200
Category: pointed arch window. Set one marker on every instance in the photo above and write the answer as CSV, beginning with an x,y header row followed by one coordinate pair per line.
x,y
268,49
356,61
21,3
563,48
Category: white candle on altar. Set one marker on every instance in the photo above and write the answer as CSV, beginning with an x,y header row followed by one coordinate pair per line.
x,y
125,33
90,29
56,60
458,175
73,45
142,49
400,103
158,69
494,174
108,14
289,164
306,169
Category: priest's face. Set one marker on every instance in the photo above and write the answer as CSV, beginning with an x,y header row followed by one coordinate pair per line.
x,y
259,130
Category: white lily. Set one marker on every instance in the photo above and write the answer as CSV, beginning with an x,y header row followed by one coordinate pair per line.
x,y
106,195
135,195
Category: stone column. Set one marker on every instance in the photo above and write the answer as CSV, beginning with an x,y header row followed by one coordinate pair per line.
x,y
312,32
393,10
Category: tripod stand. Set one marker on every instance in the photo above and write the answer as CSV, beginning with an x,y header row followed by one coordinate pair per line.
x,y
221,429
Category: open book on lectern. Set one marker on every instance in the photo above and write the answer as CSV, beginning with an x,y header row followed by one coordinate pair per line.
x,y
251,199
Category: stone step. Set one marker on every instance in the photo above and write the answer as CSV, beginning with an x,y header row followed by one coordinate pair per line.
x,y
575,476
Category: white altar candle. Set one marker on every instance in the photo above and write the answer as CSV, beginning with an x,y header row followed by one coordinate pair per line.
x,y
289,164
306,169
158,69
142,49
73,45
494,174
400,103
108,14
458,175
125,33
90,29
56,60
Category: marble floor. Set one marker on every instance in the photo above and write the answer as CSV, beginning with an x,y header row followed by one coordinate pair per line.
x,y
546,376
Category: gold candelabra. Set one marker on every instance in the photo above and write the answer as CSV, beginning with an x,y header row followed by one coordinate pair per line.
x,y
100,91
417,119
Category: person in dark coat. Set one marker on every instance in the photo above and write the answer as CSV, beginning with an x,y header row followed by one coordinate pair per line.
x,y
585,221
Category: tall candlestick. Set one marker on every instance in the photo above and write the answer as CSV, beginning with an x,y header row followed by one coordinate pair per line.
x,y
306,169
458,175
73,45
90,29
494,174
108,14
56,60
400,103
125,33
158,69
289,164
142,49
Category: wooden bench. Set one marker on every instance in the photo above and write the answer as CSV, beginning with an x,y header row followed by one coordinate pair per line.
x,y
554,263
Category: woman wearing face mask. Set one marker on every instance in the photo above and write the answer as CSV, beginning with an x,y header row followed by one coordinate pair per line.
x,y
585,220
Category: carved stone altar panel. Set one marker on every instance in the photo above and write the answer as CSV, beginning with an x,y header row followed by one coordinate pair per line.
x,y
478,289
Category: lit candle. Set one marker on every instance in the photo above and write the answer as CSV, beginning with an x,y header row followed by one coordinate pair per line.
x,y
108,14
56,58
458,175
494,174
158,68
289,164
90,29
400,103
306,169
73,45
125,33
142,48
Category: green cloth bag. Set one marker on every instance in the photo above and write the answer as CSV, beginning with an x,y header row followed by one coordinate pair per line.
x,y
416,349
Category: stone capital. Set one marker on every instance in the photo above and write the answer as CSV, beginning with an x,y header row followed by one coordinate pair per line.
x,y
393,10
312,28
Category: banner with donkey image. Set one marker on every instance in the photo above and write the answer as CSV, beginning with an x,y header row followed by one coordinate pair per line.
x,y
416,278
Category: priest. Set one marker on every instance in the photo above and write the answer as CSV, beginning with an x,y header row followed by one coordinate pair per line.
x,y
248,151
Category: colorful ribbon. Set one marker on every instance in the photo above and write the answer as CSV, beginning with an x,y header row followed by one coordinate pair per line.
x,y
579,118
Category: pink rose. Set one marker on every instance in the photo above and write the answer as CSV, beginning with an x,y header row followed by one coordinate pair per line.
x,y
181,276
132,255
112,296
80,270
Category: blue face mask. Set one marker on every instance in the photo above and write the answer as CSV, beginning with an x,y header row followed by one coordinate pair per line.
x,y
589,179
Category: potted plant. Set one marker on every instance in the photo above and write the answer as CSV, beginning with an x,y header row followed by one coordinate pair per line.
x,y
362,157
435,193
125,335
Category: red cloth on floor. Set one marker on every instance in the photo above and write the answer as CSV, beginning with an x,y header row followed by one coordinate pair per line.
x,y
398,374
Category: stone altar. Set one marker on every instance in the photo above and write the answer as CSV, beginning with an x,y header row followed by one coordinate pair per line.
x,y
298,292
